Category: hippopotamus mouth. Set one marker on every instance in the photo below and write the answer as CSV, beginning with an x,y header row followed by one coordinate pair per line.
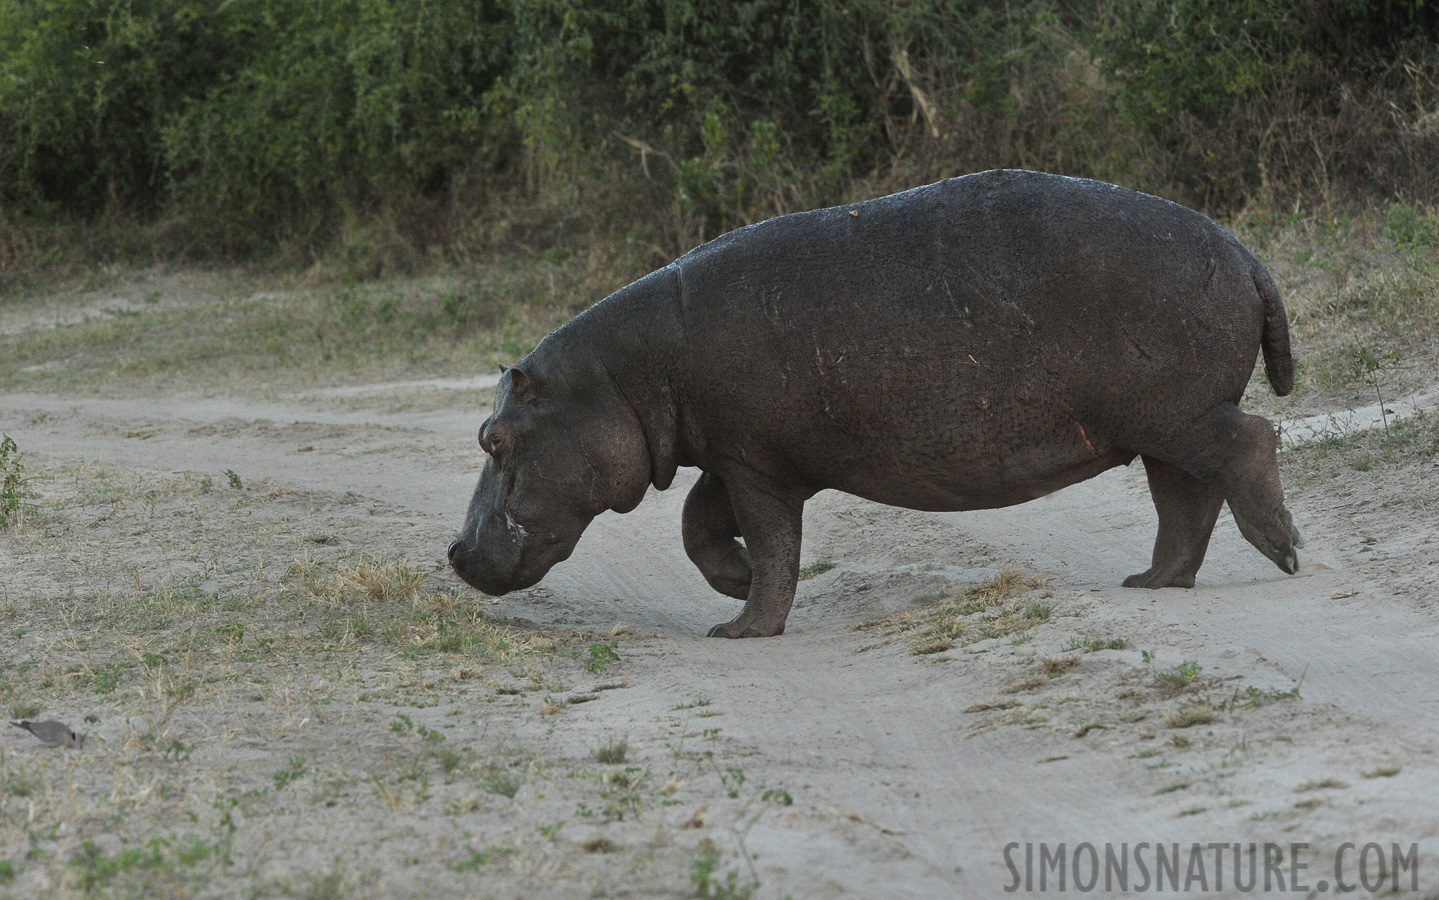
x,y
497,559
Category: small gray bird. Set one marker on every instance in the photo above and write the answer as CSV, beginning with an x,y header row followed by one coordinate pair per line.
x,y
53,734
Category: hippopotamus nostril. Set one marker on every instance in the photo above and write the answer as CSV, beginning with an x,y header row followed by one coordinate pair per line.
x,y
454,550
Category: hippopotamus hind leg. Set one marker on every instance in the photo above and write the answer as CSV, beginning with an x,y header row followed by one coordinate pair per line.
x,y
1235,453
1187,510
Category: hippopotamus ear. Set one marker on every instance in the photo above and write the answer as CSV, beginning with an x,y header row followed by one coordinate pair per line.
x,y
522,387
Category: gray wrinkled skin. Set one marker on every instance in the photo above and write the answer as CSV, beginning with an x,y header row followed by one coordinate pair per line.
x,y
53,734
971,344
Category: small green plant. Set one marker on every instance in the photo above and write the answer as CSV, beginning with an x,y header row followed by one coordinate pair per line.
x,y
776,795
707,885
612,754
96,868
1254,698
13,492
235,482
295,771
1178,679
476,859
601,655
176,749
102,680
733,780
7,871
702,701
1371,367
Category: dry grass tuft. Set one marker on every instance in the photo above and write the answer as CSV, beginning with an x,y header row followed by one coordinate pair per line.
x,y
1058,665
1200,713
992,705
990,609
371,580
1033,682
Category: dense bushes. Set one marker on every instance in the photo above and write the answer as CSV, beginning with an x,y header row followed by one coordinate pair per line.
x,y
250,125
1314,94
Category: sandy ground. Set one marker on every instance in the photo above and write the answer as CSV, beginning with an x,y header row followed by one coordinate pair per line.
x,y
898,790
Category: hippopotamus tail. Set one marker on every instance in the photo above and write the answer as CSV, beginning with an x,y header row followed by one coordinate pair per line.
x,y
1278,364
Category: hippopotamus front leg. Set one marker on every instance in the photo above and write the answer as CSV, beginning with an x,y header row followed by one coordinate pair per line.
x,y
709,529
769,518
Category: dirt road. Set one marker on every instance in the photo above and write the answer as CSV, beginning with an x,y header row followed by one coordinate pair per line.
x,y
903,783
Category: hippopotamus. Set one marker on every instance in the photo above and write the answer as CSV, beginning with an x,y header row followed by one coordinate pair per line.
x,y
970,344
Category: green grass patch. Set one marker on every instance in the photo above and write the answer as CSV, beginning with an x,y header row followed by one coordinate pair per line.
x,y
1412,439
814,569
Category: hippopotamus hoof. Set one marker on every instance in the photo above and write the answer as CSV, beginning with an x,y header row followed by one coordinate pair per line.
x,y
739,630
970,344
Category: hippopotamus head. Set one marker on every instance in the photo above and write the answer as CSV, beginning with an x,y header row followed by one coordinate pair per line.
x,y
564,445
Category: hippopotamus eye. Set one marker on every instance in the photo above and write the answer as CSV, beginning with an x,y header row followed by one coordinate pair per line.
x,y
493,439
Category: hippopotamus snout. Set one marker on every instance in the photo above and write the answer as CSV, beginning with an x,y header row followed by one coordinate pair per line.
x,y
491,559
497,554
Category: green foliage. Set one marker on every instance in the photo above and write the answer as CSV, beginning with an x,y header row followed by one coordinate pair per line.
x,y
278,119
95,868
13,492
708,885
335,104
1411,229
1180,677
600,656
291,773
1232,90
1202,57
242,127
85,89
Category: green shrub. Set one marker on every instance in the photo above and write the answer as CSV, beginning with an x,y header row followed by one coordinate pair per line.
x,y
85,88
359,126
13,492
335,107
